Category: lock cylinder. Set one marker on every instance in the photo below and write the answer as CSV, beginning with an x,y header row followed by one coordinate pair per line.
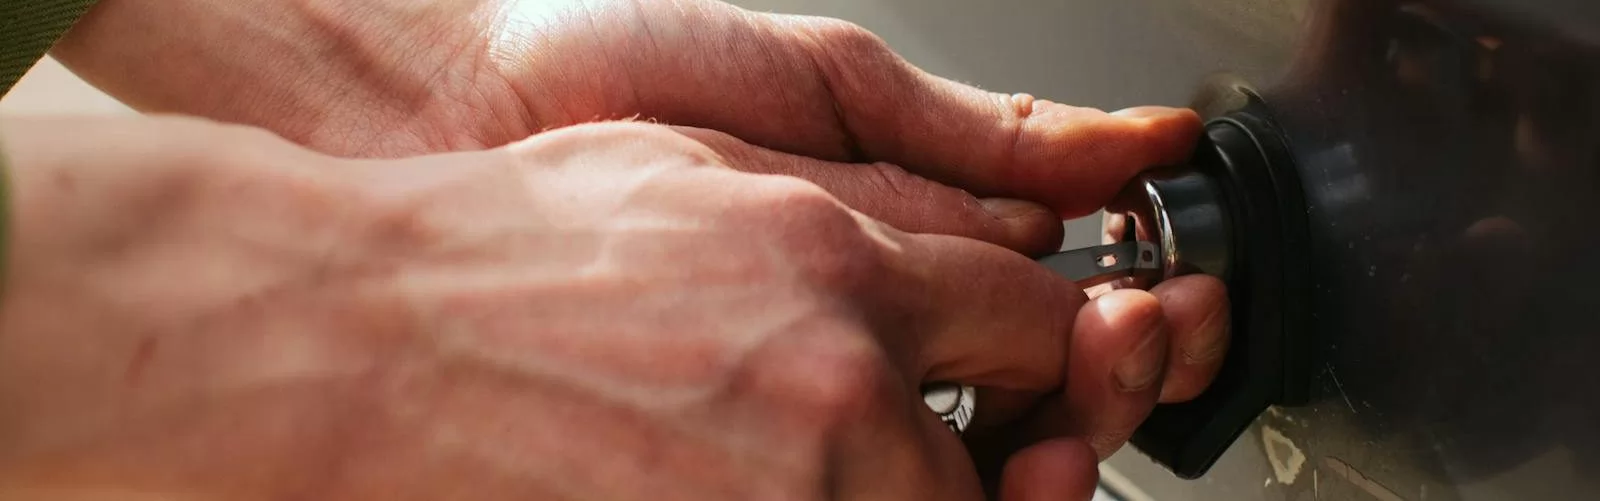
x,y
1179,209
1235,210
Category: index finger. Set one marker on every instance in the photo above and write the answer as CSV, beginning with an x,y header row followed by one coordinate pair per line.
x,y
831,90
992,144
1073,159
974,313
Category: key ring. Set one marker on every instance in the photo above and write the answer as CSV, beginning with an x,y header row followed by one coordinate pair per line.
x,y
953,403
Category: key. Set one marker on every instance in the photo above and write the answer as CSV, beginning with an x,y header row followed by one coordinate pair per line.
x,y
1088,267
1092,266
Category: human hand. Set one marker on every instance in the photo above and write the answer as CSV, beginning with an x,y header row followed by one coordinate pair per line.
x,y
832,102
600,312
826,100
815,98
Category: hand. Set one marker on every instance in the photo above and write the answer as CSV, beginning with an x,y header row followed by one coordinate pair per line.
x,y
600,312
815,98
825,100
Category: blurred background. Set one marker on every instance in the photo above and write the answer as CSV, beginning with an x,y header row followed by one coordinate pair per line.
x,y
50,89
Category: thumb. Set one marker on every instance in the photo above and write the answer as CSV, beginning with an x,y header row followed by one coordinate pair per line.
x,y
907,202
1070,158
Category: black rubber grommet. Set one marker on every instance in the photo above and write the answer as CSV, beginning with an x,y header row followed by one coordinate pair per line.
x,y
1269,359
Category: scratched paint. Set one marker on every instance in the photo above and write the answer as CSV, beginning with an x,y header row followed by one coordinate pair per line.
x,y
1340,386
1344,471
1283,454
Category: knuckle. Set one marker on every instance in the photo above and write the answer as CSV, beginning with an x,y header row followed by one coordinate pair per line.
x,y
617,143
931,202
793,193
793,209
844,271
638,133
844,377
838,34
852,58
825,243
895,182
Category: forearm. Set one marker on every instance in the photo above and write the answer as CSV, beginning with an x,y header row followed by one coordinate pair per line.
x,y
314,71
72,211
63,191
85,194
136,239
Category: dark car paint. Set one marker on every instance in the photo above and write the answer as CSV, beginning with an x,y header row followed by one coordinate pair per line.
x,y
1450,154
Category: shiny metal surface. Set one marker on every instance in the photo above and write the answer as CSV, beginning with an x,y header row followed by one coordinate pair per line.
x,y
1181,211
955,404
1449,155
1091,266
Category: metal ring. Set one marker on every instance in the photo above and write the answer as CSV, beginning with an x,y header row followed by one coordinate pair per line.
x,y
954,404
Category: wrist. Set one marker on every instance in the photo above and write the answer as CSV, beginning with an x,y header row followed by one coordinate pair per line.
x,y
72,210
169,283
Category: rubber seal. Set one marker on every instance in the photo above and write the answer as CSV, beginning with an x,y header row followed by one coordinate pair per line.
x,y
1269,359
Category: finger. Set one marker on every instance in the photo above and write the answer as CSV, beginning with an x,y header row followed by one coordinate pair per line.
x,y
963,311
970,312
905,201
888,447
991,438
1196,310
1054,470
828,89
1117,357
1073,159
1001,408
1006,145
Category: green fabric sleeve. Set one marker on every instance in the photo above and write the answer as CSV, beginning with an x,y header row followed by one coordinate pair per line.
x,y
28,28
5,219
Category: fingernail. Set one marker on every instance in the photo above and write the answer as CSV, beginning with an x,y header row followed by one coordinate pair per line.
x,y
1005,208
1207,344
1145,112
1140,369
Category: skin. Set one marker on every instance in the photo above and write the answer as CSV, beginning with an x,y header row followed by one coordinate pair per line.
x,y
884,234
403,329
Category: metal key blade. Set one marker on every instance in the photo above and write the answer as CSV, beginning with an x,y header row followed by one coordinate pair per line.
x,y
1091,266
